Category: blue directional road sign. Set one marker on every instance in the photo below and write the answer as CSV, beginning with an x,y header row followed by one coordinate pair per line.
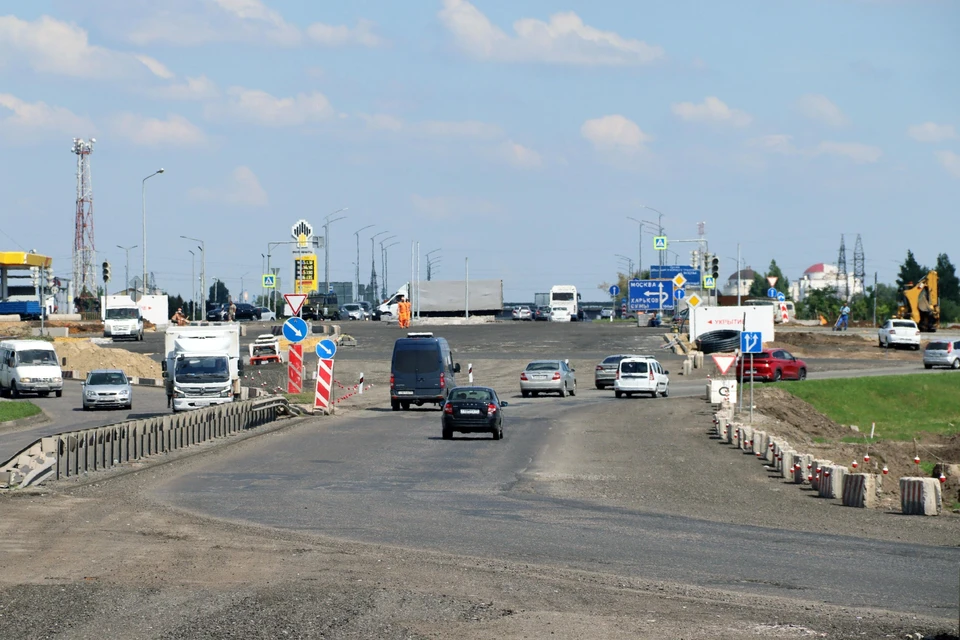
x,y
679,293
326,349
295,329
669,271
751,342
772,293
614,290
648,295
781,297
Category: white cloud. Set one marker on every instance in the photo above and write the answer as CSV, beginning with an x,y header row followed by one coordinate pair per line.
x,y
199,88
448,208
259,107
565,39
520,156
711,110
382,122
175,131
24,120
774,143
820,108
339,36
48,45
950,162
932,132
859,153
432,128
242,189
614,132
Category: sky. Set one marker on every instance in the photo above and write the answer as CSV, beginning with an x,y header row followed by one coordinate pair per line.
x,y
520,136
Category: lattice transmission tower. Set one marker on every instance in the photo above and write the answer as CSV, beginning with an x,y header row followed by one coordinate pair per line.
x,y
859,267
84,251
842,289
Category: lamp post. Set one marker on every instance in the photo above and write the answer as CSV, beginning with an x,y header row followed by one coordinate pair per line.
x,y
373,262
263,270
659,226
383,267
193,284
356,264
126,284
143,210
241,285
326,246
430,264
203,274
629,264
639,241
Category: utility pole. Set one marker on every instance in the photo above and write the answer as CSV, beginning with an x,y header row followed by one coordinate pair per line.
x,y
143,207
326,246
373,264
357,263
383,267
193,284
203,275
639,244
875,296
659,227
126,283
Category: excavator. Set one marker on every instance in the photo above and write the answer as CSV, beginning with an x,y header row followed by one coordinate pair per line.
x,y
920,302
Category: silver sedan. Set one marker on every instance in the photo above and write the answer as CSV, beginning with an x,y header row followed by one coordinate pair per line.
x,y
548,376
107,388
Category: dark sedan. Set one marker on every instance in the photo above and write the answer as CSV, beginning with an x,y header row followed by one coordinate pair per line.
x,y
217,314
473,410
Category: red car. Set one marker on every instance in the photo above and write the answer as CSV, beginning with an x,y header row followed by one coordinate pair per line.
x,y
772,365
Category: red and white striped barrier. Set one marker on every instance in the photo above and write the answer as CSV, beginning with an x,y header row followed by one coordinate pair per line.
x,y
321,398
295,369
920,496
470,373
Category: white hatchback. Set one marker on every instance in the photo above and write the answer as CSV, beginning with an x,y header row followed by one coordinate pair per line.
x,y
641,375
896,332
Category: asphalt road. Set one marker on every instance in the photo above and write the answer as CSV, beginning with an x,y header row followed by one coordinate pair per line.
x,y
66,414
386,477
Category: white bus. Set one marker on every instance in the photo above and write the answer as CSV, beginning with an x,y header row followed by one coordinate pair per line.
x,y
565,303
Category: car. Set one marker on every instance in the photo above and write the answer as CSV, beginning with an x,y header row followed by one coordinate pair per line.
x,y
606,370
942,352
522,312
367,309
606,313
422,371
321,307
541,313
266,314
107,388
352,311
642,374
772,365
473,410
548,376
217,313
896,332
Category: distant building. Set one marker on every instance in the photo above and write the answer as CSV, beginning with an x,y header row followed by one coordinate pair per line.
x,y
745,279
822,276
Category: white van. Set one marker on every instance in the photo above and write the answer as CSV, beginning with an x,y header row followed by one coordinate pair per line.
x,y
29,366
641,374
123,322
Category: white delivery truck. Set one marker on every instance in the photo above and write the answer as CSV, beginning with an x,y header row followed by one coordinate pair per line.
x,y
122,320
448,298
202,366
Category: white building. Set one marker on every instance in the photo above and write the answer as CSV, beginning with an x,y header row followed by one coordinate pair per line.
x,y
822,276
746,281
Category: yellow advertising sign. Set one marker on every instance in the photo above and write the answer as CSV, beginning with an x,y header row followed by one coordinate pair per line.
x,y
305,273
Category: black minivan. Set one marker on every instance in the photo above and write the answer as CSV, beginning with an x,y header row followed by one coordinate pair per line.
x,y
422,371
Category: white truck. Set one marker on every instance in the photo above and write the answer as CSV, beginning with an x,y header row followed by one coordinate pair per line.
x,y
122,320
202,366
448,298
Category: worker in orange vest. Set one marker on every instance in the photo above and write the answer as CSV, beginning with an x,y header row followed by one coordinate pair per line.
x,y
403,311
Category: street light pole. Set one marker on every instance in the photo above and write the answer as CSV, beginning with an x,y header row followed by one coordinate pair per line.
x,y
126,285
639,242
357,263
203,274
659,225
193,284
386,264
383,267
326,246
428,263
373,262
143,211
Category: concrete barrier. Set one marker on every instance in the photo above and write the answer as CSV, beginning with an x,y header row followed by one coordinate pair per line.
x,y
10,317
831,484
788,458
77,452
816,470
52,332
65,317
806,462
746,439
861,490
759,443
920,496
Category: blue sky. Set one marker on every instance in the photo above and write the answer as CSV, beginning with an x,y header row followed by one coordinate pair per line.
x,y
520,135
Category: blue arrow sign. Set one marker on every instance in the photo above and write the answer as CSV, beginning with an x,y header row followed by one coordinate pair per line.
x,y
295,329
679,293
647,295
751,342
614,290
668,271
772,293
781,297
326,349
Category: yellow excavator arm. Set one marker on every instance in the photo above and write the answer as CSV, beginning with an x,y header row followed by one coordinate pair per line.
x,y
921,303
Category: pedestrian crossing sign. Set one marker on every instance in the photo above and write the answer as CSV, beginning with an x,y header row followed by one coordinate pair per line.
x,y
709,282
269,281
660,243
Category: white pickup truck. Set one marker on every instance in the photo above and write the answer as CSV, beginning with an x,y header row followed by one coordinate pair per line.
x,y
202,366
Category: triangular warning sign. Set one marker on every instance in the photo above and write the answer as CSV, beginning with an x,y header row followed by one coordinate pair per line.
x,y
772,280
724,362
295,300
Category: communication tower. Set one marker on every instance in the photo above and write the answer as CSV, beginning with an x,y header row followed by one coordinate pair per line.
x,y
842,289
84,251
859,267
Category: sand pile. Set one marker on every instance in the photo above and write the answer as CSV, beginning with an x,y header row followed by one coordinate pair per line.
x,y
85,356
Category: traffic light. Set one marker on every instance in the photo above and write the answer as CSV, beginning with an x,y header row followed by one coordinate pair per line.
x,y
49,278
35,276
715,268
106,271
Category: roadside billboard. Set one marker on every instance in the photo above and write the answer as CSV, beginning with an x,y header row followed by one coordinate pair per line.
x,y
704,319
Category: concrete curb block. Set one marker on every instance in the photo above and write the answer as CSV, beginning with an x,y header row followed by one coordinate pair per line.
x,y
918,496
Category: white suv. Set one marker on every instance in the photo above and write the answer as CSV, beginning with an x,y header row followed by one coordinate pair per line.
x,y
641,375
896,332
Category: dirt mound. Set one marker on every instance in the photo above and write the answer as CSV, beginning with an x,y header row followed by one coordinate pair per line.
x,y
808,423
830,344
85,356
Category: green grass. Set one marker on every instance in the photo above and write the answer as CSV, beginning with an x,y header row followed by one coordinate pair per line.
x,y
16,410
304,397
903,407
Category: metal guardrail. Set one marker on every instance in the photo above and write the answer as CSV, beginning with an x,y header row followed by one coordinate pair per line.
x,y
76,452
